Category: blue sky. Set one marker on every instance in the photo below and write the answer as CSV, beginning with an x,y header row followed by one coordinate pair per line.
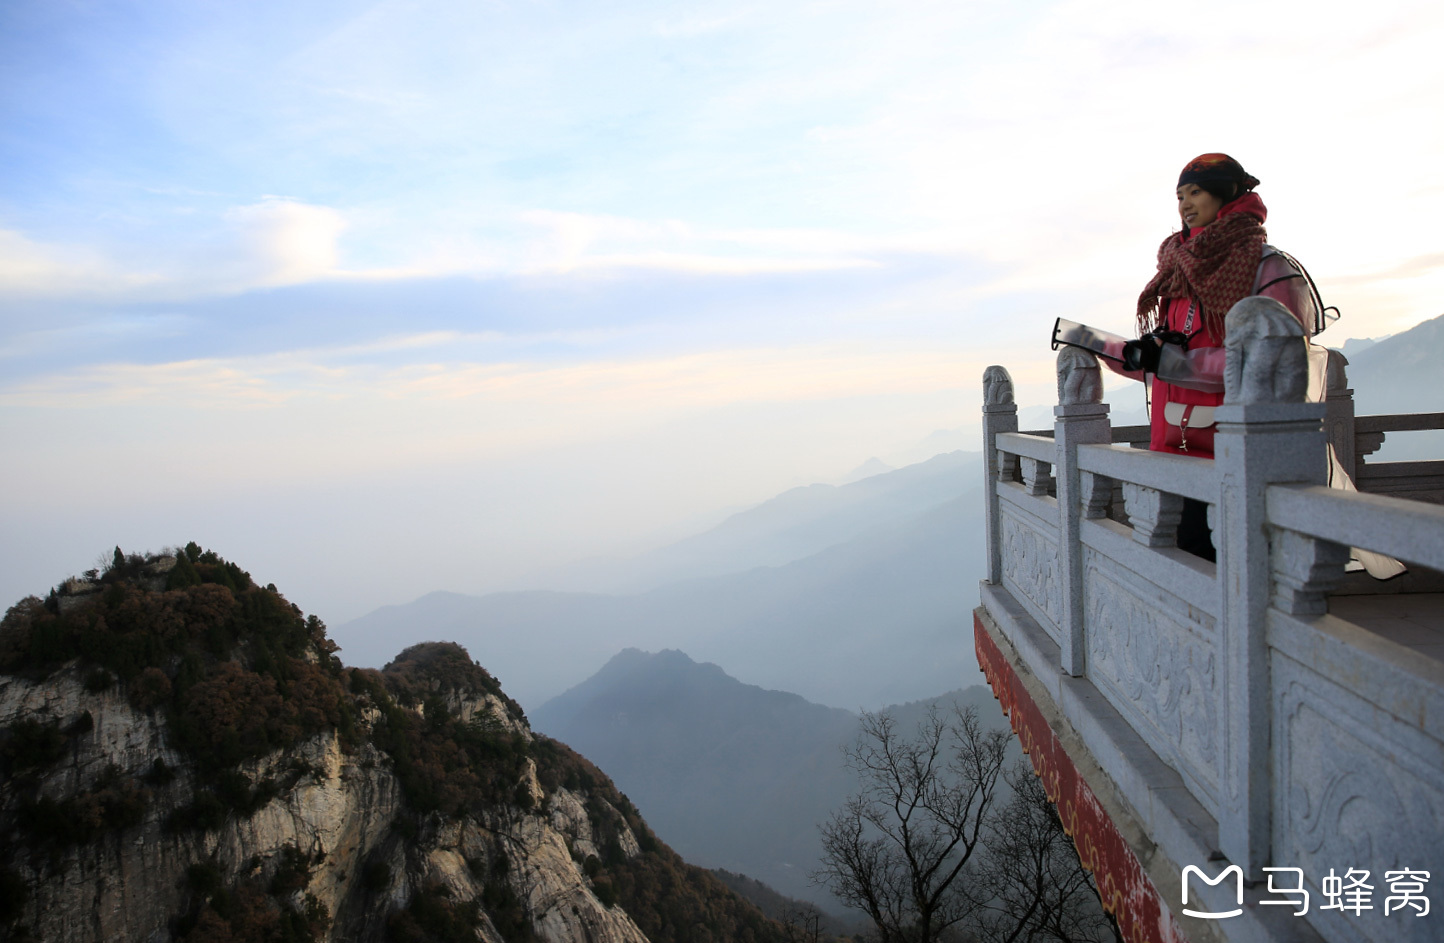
x,y
492,286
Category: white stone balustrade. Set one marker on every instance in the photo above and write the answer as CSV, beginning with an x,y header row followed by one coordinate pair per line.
x,y
1237,718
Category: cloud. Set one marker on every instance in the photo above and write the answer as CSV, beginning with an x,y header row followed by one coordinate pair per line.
x,y
1041,137
569,240
285,242
278,242
1416,267
209,384
772,417
266,244
699,25
30,269
618,387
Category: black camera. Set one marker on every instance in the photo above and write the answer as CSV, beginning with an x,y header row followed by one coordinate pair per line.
x,y
1143,353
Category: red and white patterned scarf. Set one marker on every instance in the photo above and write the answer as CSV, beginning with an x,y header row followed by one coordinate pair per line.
x,y
1215,267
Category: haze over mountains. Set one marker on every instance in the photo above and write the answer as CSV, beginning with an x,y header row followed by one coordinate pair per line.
x,y
797,523
733,775
852,596
1399,374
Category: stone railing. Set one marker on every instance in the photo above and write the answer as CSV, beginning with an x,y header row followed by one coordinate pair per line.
x,y
1298,738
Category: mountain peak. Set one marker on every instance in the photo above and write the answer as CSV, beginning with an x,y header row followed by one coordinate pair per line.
x,y
633,669
188,739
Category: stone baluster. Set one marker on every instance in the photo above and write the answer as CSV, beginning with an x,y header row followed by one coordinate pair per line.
x,y
1365,444
1305,570
1096,493
1000,414
1119,510
1080,418
1267,434
1037,477
1154,514
1008,469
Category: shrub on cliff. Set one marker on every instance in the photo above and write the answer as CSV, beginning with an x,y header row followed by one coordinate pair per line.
x,y
444,764
442,668
236,668
432,916
113,802
31,745
245,913
13,894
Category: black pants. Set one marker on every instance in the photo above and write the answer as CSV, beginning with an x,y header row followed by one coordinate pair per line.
x,y
1193,534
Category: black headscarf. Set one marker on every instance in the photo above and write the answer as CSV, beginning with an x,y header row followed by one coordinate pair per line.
x,y
1219,175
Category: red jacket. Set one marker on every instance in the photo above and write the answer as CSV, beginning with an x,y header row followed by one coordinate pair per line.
x,y
1181,416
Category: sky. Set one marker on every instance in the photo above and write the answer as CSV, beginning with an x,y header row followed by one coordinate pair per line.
x,y
383,298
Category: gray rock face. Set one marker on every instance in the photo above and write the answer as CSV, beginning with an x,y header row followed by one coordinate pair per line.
x,y
337,807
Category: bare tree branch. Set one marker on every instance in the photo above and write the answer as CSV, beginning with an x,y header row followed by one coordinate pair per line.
x,y
1038,889
927,850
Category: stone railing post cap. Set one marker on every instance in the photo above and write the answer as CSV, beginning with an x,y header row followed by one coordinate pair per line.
x,y
997,386
1267,360
1080,382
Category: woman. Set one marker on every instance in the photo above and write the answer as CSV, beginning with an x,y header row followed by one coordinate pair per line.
x,y
1218,258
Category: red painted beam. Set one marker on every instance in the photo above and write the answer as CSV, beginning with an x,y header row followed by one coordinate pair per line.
x,y
1125,889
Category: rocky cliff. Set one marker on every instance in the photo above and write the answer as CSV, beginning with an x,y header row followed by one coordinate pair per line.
x,y
184,757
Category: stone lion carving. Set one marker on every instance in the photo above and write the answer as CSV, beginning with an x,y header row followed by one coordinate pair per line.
x,y
1267,360
997,387
1079,380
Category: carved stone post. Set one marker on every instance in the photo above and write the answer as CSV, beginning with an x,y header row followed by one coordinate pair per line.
x,y
1000,414
1081,418
1266,435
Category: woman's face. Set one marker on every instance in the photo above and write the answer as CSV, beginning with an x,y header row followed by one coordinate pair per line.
x,y
1196,206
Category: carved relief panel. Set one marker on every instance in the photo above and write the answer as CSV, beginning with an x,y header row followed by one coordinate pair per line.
x,y
1154,658
1031,568
1357,788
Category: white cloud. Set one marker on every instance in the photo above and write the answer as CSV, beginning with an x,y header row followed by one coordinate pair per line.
x,y
567,241
34,269
619,388
265,244
285,242
700,24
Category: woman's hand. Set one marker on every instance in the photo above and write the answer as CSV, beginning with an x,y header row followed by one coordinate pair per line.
x,y
1142,354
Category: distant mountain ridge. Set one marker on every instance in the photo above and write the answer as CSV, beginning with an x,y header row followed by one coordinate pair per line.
x,y
733,775
797,523
878,617
1399,374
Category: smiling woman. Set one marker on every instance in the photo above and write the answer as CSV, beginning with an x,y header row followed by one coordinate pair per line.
x,y
1219,258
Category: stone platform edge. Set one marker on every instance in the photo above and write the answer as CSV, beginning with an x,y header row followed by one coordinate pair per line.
x,y
1124,885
